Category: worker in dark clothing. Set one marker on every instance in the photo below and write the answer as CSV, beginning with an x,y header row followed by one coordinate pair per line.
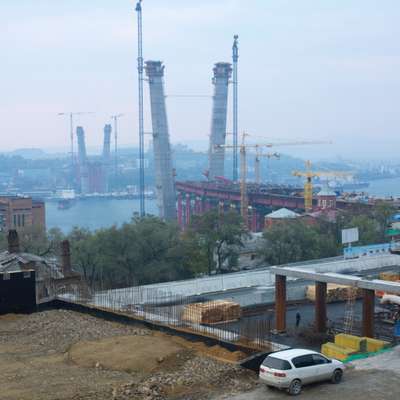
x,y
298,319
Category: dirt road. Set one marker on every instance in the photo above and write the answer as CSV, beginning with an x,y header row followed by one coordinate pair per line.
x,y
358,385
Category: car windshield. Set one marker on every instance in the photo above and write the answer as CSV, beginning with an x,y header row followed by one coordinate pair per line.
x,y
276,363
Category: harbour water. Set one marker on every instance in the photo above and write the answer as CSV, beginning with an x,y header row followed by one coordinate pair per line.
x,y
384,187
103,213
95,213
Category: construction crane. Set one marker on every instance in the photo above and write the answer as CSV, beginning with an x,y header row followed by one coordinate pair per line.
x,y
235,57
115,119
243,165
309,174
71,128
140,69
257,160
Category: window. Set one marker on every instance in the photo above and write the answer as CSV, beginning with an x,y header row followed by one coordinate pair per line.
x,y
303,361
318,359
276,363
15,220
19,219
23,219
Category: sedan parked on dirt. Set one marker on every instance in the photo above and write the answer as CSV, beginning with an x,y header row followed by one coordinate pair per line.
x,y
291,369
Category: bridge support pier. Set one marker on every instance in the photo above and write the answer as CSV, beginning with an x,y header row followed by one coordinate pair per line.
x,y
180,210
187,210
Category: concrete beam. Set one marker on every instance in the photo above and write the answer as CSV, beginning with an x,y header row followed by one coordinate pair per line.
x,y
340,279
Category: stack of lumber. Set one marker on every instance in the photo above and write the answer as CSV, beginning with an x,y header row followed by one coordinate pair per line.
x,y
389,276
334,292
211,312
334,351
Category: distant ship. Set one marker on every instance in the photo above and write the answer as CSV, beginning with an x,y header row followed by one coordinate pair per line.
x,y
344,185
354,185
65,198
65,204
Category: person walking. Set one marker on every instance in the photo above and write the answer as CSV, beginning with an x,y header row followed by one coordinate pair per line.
x,y
298,319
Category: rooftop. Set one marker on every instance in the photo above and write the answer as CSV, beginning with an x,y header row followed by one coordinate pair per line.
x,y
282,213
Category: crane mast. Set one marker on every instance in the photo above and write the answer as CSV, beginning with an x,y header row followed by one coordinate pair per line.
x,y
309,174
235,56
140,90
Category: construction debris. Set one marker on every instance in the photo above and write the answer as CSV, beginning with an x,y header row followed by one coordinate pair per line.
x,y
334,292
211,312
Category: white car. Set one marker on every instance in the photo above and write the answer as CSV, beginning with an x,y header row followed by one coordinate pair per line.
x,y
291,369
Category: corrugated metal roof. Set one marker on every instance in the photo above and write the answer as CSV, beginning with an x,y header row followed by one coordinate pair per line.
x,y
283,213
14,262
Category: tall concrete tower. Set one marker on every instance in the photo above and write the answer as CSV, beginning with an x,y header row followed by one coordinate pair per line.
x,y
216,156
165,186
106,164
80,134
107,144
82,161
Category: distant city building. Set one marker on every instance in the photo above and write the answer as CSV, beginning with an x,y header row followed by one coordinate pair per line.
x,y
21,213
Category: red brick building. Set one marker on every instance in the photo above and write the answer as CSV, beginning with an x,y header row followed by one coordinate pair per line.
x,y
21,213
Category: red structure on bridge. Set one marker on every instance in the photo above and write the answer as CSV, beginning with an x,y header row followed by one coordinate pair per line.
x,y
199,197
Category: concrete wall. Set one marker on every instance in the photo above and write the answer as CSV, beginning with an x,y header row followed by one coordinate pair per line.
x,y
17,292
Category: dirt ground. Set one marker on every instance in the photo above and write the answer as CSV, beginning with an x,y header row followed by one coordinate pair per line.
x,y
66,355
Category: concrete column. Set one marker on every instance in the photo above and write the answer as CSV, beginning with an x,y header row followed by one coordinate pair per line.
x,y
320,307
188,210
197,206
180,210
280,303
368,313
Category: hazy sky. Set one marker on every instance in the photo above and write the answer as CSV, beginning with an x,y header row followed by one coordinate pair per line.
x,y
312,69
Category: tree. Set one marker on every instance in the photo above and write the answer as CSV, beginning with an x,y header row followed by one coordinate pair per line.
x,y
217,234
85,254
294,240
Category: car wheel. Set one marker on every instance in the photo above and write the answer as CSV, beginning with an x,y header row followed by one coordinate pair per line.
x,y
337,376
295,388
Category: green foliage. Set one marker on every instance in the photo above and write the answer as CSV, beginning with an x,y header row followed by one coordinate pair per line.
x,y
217,235
294,241
36,241
144,251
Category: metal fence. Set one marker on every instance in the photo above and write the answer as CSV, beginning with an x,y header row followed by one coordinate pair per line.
x,y
167,309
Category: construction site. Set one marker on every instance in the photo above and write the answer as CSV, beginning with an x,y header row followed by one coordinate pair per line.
x,y
202,338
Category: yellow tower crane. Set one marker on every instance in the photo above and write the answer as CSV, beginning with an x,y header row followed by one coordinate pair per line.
x,y
309,174
243,165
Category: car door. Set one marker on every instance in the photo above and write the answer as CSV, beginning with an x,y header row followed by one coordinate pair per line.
x,y
323,367
306,370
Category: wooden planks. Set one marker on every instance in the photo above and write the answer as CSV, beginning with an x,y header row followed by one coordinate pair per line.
x,y
211,312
